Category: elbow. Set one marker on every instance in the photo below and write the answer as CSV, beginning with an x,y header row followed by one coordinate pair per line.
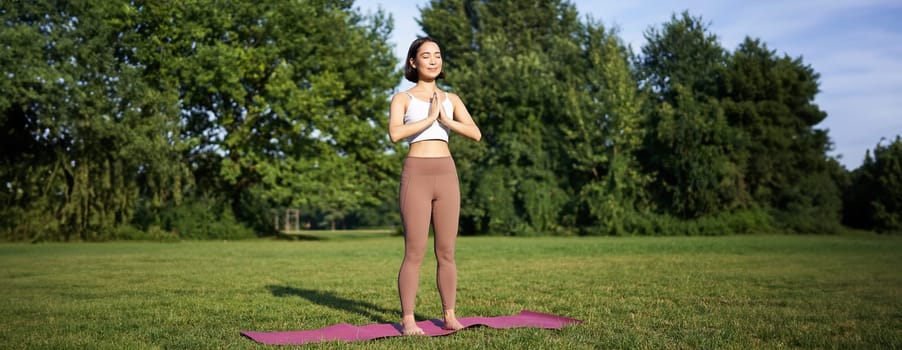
x,y
394,136
477,136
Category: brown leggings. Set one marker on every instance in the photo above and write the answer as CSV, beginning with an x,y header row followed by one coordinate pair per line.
x,y
429,189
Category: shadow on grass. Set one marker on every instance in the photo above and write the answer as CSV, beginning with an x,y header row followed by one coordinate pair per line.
x,y
317,235
329,299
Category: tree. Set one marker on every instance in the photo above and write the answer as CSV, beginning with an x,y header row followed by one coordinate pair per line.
x,y
690,147
560,115
874,199
603,134
697,168
509,61
769,98
91,133
115,102
682,51
273,92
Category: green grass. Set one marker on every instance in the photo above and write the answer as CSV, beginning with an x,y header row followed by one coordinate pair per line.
x,y
734,292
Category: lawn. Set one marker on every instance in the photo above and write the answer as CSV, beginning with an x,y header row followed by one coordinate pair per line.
x,y
735,292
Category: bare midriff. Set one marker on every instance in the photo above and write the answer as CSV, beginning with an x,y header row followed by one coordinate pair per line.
x,y
429,149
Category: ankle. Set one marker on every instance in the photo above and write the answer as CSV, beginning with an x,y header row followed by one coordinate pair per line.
x,y
449,313
408,319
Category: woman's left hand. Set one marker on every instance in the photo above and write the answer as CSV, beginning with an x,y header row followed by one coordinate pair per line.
x,y
443,116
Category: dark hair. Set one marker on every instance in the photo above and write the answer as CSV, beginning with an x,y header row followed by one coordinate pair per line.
x,y
411,73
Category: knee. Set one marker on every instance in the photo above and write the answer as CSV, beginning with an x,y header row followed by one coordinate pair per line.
x,y
414,255
444,256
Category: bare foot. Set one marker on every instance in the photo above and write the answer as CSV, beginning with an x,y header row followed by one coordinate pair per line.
x,y
451,322
409,326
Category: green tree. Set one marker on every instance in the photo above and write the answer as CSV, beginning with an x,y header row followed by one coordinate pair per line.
x,y
114,105
509,61
91,134
604,132
682,51
873,200
560,115
695,150
690,147
282,101
769,98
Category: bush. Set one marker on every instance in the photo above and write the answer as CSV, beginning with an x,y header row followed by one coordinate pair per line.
x,y
204,217
873,201
814,205
152,233
651,224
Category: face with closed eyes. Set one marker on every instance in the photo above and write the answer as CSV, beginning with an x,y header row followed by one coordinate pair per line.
x,y
428,61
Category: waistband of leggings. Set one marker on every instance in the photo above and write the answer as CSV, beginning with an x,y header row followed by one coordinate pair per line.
x,y
429,166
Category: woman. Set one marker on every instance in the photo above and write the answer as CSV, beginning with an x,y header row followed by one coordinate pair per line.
x,y
429,188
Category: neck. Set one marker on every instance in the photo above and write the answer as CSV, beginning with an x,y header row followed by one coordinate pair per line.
x,y
427,85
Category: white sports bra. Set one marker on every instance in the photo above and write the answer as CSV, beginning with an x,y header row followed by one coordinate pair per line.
x,y
418,110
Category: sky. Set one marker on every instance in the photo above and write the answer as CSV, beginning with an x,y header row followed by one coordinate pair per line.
x,y
855,46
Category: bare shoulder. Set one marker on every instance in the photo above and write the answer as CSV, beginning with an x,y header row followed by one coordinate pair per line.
x,y
401,96
400,99
454,98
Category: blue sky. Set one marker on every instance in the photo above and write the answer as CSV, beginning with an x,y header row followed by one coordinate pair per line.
x,y
855,45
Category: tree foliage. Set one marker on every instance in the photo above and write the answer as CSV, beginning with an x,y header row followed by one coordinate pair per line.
x,y
735,130
553,96
603,133
92,136
197,119
120,105
873,200
769,99
286,109
694,152
508,94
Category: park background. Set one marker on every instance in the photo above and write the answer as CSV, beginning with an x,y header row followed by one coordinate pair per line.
x,y
203,123
206,119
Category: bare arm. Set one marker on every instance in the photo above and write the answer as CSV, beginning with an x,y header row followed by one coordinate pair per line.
x,y
397,130
462,123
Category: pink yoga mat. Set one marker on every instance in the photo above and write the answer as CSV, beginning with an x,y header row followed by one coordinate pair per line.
x,y
347,332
